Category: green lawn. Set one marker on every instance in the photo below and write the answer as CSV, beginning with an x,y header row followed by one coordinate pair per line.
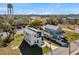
x,y
70,36
45,50
17,39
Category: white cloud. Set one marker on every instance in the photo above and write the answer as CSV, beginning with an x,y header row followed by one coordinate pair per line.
x,y
3,8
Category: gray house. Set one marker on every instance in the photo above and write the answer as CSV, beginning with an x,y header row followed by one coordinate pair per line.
x,y
53,30
55,33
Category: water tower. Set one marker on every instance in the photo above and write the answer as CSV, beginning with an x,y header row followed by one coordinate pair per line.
x,y
10,9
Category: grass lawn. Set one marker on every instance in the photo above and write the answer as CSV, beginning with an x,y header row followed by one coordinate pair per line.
x,y
70,26
70,36
45,50
18,39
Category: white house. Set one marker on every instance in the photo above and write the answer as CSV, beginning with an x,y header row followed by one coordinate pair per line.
x,y
33,36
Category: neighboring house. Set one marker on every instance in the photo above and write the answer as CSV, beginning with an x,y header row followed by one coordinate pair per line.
x,y
55,30
68,20
55,33
33,36
71,20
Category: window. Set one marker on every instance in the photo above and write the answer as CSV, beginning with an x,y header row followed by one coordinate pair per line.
x,y
34,35
60,32
42,38
37,41
38,34
55,36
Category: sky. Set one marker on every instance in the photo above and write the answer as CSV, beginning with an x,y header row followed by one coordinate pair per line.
x,y
42,8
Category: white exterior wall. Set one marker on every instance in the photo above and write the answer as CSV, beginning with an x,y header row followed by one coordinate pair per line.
x,y
31,38
40,42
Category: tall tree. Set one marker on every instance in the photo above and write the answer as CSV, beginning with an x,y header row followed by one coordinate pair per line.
x,y
8,29
52,21
35,23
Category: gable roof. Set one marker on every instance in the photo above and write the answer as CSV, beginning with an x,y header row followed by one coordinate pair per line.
x,y
29,31
53,27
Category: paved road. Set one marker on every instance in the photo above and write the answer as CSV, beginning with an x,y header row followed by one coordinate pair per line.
x,y
75,52
76,47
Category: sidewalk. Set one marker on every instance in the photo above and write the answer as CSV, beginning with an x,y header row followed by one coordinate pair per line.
x,y
75,52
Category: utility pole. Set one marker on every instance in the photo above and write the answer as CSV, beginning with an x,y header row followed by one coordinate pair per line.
x,y
69,48
74,24
69,42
